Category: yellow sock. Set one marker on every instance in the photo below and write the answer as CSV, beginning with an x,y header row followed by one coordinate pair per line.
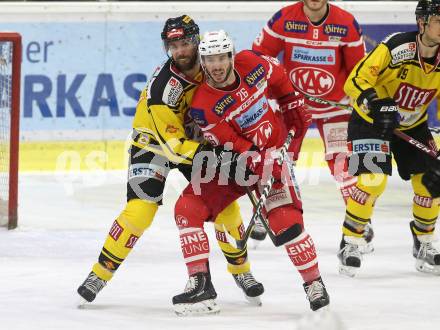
x,y
425,208
123,235
230,218
361,203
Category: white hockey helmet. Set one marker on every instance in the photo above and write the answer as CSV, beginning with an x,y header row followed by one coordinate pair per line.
x,y
216,42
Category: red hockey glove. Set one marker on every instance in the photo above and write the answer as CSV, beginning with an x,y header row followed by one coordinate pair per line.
x,y
297,116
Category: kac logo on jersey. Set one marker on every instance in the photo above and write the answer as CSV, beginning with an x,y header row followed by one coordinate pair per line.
x,y
253,114
223,104
335,30
255,75
370,145
296,26
313,56
312,81
260,134
412,98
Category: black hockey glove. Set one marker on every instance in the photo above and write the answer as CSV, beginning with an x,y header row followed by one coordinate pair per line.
x,y
226,161
385,116
431,179
385,113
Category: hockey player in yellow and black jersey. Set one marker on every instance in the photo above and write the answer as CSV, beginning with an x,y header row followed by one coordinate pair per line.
x,y
391,88
164,139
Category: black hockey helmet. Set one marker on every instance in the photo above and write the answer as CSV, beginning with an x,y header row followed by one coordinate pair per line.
x,y
177,28
426,8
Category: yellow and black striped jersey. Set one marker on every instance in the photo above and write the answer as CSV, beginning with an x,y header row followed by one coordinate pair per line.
x,y
394,69
160,114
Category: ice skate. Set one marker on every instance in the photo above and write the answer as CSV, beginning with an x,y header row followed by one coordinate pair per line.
x,y
350,256
316,294
90,288
258,233
251,288
368,236
427,256
198,297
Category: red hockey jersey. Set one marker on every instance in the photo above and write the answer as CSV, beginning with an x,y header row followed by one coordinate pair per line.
x,y
318,58
243,116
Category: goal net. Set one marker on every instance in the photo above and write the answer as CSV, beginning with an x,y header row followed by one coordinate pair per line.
x,y
10,61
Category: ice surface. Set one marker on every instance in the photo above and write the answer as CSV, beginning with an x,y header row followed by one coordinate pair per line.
x,y
64,220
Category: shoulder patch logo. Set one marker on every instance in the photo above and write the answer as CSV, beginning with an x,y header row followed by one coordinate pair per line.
x,y
223,104
172,91
403,52
253,77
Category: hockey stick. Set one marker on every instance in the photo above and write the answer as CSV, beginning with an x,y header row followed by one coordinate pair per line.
x,y
326,102
276,239
419,145
350,108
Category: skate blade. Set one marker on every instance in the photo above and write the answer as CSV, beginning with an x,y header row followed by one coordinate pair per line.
x,y
366,249
254,301
423,267
206,307
82,303
348,270
323,309
254,244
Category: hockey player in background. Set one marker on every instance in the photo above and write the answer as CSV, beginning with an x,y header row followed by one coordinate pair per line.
x,y
321,43
392,88
231,107
160,144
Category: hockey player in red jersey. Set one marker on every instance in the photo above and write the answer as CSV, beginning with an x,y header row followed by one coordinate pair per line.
x,y
231,107
164,140
321,44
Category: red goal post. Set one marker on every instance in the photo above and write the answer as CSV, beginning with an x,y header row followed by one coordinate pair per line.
x,y
10,67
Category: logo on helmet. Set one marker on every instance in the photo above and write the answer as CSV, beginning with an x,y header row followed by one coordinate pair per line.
x,y
175,33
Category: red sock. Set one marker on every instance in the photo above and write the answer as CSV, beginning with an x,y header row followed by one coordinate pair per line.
x,y
195,248
301,251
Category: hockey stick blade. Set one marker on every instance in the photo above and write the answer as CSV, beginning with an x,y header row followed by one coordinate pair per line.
x,y
279,239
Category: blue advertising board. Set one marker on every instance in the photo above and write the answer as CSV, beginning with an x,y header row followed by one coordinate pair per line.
x,y
88,75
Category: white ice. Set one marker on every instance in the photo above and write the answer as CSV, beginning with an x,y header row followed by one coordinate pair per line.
x,y
64,220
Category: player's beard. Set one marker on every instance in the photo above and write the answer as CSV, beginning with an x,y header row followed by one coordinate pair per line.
x,y
186,63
